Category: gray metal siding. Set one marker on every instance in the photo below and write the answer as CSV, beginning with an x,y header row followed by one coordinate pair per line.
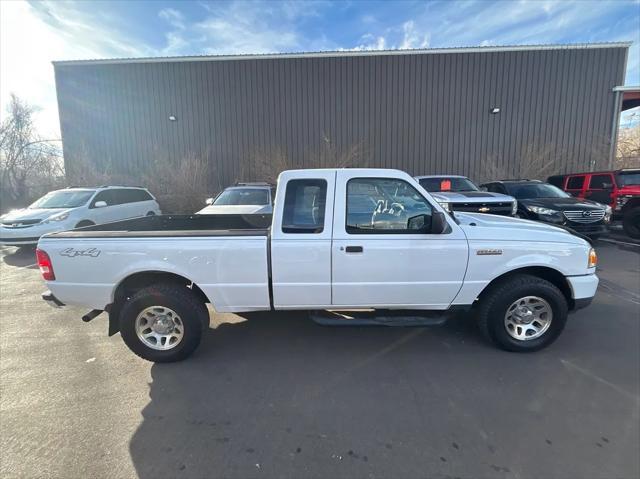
x,y
424,113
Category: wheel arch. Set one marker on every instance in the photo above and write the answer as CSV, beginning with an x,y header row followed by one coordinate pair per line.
x,y
552,275
138,280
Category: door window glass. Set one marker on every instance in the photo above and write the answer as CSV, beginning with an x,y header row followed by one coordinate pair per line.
x,y
381,205
575,183
304,205
598,182
103,196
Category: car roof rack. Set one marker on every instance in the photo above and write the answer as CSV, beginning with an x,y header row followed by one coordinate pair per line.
x,y
518,179
252,183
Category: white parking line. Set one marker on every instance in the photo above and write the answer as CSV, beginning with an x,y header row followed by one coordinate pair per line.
x,y
608,240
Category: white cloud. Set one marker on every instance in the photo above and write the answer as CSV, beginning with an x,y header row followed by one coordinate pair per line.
x,y
30,40
173,16
237,28
411,38
368,42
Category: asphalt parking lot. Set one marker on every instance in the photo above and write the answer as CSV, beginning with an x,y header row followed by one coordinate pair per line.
x,y
279,396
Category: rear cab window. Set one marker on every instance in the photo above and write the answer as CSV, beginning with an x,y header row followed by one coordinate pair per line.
x,y
304,206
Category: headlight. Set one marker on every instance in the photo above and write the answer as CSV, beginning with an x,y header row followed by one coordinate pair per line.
x,y
593,258
607,214
58,217
539,210
445,205
514,208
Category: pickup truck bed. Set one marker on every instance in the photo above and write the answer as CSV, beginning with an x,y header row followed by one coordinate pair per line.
x,y
176,225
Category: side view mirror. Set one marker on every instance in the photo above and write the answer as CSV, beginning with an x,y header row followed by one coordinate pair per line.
x,y
417,222
209,201
484,188
439,223
100,204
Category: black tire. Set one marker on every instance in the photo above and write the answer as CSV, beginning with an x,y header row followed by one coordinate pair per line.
x,y
500,296
186,304
631,222
84,223
151,213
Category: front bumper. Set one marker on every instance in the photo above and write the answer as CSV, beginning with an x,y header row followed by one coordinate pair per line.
x,y
583,289
588,229
29,235
27,241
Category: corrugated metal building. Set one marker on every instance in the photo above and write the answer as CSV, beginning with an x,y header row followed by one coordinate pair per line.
x,y
464,111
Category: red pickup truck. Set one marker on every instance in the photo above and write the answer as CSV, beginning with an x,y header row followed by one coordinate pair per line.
x,y
619,189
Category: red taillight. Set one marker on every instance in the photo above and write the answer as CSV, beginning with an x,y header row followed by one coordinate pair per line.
x,y
46,268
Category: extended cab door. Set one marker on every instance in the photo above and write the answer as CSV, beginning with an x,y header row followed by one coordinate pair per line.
x,y
600,188
301,239
382,259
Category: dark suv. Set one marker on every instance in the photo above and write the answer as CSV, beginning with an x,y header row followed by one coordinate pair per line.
x,y
544,202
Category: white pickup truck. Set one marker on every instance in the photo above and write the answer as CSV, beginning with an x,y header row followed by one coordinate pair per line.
x,y
340,239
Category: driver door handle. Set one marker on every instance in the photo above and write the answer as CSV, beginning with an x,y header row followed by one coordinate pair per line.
x,y
354,249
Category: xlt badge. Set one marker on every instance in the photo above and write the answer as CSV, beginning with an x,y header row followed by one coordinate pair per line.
x,y
488,252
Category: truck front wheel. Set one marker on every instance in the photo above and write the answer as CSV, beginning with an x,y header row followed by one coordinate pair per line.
x,y
522,313
163,323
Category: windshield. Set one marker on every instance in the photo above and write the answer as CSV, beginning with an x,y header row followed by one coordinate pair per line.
x,y
243,196
63,199
447,184
523,191
628,179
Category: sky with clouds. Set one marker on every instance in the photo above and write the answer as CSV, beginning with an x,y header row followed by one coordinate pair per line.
x,y
33,34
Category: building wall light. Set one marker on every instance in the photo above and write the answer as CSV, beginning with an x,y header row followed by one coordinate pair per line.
x,y
494,110
172,118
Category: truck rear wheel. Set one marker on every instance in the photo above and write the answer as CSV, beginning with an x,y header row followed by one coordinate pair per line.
x,y
631,222
163,323
522,313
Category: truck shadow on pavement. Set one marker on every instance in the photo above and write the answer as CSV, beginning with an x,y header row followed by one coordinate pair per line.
x,y
19,257
279,396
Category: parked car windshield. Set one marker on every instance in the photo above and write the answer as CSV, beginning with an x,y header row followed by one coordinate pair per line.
x,y
243,196
523,191
63,199
445,183
628,179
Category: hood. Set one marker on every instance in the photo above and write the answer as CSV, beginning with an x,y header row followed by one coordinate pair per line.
x,y
31,214
629,190
563,204
480,226
471,197
235,210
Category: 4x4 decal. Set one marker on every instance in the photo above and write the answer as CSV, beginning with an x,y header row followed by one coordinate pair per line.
x,y
72,253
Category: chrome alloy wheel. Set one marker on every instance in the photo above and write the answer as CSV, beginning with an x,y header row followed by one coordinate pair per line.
x,y
159,328
528,318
